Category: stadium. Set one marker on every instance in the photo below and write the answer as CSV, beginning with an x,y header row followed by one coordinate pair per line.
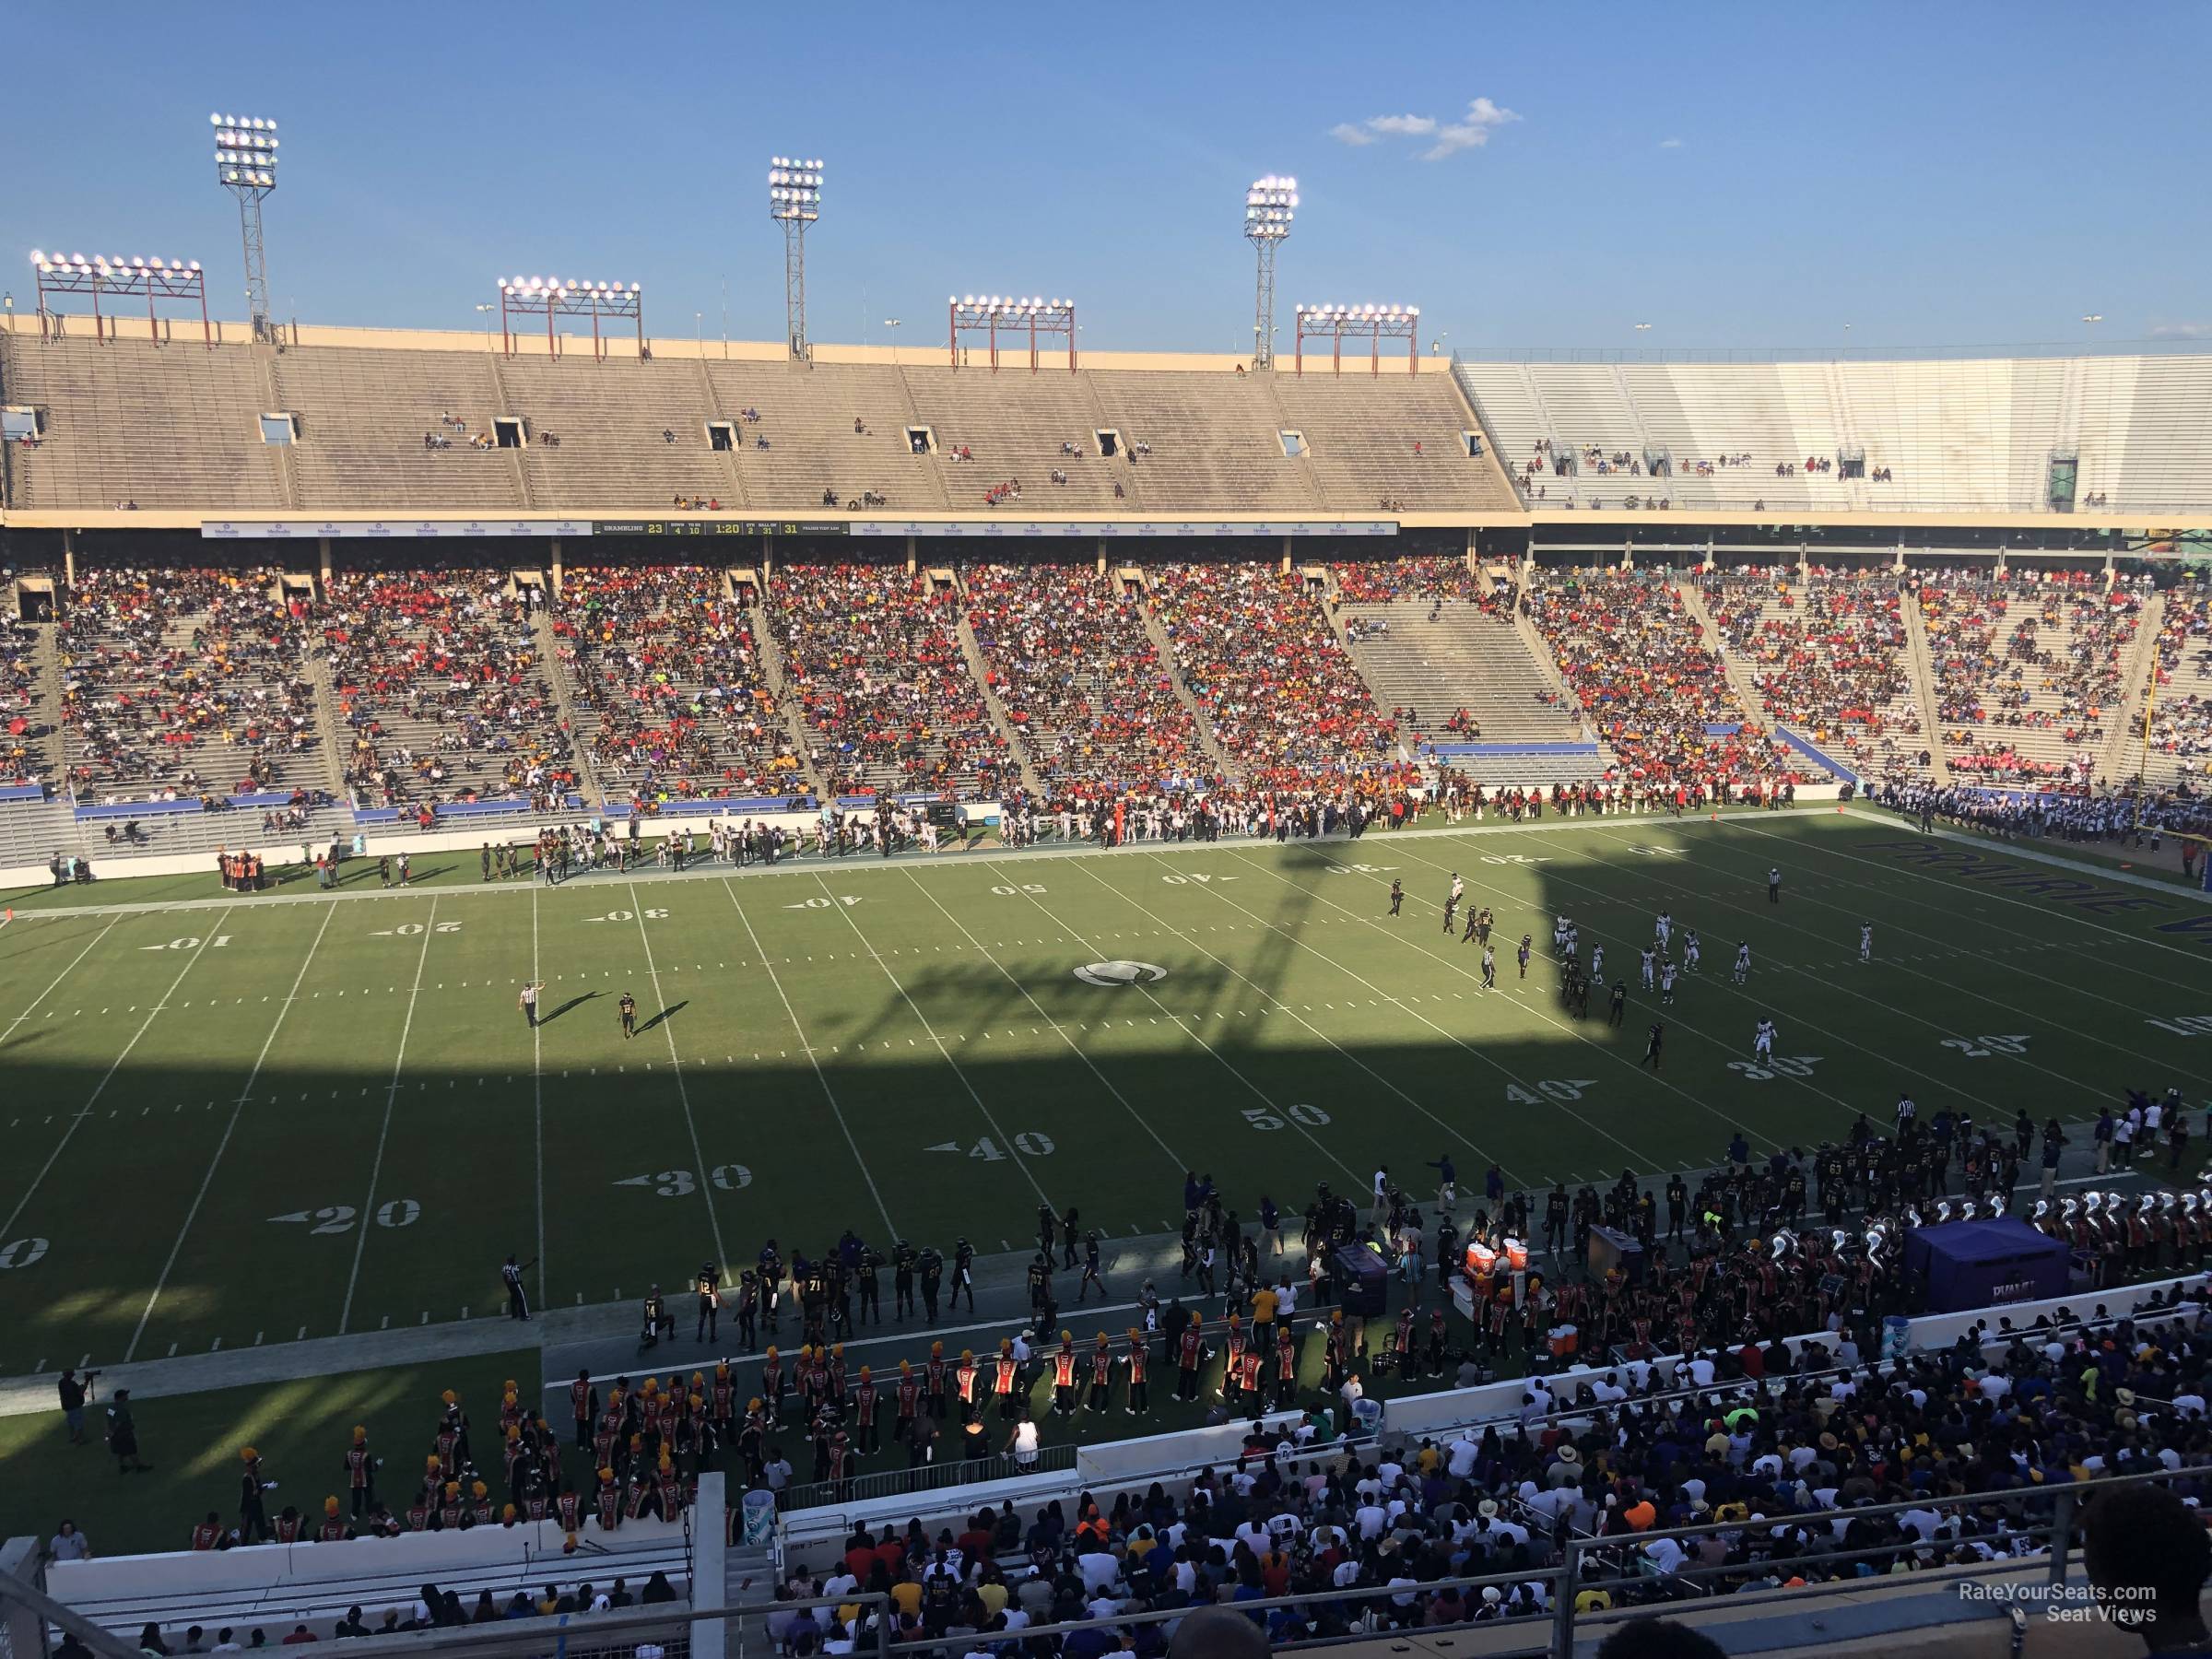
x,y
552,869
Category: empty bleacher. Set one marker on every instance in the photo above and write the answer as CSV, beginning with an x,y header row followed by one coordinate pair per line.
x,y
1014,424
1439,657
1361,432
129,421
1216,443
631,434
807,419
363,415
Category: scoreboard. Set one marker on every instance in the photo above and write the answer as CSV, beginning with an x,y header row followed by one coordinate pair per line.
x,y
717,527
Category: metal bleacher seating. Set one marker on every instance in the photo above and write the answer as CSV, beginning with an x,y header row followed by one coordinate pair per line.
x,y
873,657
184,681
130,421
1440,656
594,432
1361,432
806,415
670,685
439,686
1014,424
1215,443
363,414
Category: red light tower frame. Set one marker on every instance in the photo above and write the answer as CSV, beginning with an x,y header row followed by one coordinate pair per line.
x,y
989,314
1373,324
155,281
551,296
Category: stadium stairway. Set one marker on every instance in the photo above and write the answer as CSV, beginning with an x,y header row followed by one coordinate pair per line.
x,y
1923,669
1464,658
1740,683
2121,756
980,671
336,742
1215,755
779,683
564,700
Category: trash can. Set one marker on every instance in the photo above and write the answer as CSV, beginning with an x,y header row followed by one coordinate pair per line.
x,y
760,1512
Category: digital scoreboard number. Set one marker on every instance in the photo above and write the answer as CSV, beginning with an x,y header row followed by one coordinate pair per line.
x,y
716,527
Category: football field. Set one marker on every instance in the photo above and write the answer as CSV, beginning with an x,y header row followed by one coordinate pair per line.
x,y
228,1122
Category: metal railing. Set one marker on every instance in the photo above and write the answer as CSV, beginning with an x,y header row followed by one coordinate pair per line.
x,y
1631,1582
928,1478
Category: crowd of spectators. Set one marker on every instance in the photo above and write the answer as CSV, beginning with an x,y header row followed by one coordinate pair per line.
x,y
872,655
185,680
25,724
2027,668
1423,576
2181,711
439,680
1827,655
1071,662
1636,657
666,657
1252,646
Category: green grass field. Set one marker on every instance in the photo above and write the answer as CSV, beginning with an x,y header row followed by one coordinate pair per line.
x,y
248,1121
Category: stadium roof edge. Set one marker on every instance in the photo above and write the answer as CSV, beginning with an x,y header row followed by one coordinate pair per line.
x,y
1605,527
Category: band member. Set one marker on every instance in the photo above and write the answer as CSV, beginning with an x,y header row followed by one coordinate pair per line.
x,y
864,1411
1064,1376
1102,1373
1138,1359
906,1402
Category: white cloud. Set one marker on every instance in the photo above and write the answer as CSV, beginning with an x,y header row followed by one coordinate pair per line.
x,y
1471,131
1670,144
2181,331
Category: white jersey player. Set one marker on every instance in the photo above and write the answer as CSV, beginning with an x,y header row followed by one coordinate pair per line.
x,y
1762,1039
1690,951
1663,928
1459,889
1666,982
1647,958
1866,941
1743,963
1597,963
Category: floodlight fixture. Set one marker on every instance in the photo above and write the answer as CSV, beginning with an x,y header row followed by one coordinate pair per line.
x,y
246,159
794,202
1333,321
60,276
988,314
1270,206
552,296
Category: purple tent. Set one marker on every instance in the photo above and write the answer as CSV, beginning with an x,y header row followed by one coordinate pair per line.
x,y
1986,1264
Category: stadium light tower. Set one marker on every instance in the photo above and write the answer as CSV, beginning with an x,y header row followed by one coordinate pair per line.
x,y
245,165
1269,206
795,201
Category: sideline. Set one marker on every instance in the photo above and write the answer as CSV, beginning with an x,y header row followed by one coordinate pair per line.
x,y
708,869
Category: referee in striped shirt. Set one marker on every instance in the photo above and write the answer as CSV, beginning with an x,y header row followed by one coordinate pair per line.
x,y
518,1299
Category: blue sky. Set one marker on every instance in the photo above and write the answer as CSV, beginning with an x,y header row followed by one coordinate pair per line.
x,y
1745,176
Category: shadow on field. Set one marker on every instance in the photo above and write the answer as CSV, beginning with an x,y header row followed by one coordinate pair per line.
x,y
666,1013
573,1002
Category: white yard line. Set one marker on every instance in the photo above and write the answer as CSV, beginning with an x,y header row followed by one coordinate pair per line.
x,y
931,1031
829,1094
2054,917
1191,1029
7,1227
58,978
1055,1026
683,1091
230,1128
360,1238
537,1098
1399,1002
1957,985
